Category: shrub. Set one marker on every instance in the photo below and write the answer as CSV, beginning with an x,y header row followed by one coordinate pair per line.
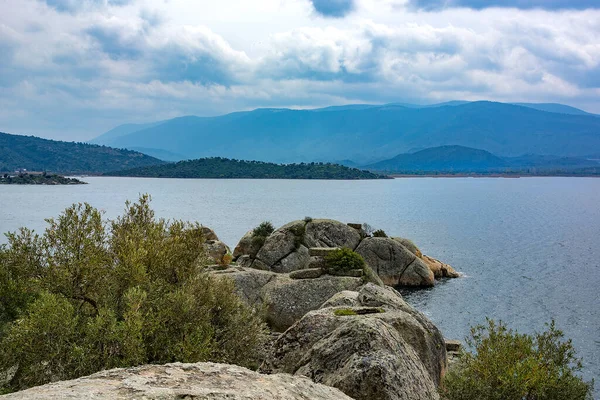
x,y
344,259
341,312
507,365
261,232
380,233
308,219
264,229
88,295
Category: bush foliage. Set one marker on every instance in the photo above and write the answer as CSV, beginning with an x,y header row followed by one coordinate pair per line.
x,y
89,295
380,233
507,365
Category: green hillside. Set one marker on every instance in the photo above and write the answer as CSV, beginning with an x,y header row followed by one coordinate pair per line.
x,y
443,158
36,154
224,168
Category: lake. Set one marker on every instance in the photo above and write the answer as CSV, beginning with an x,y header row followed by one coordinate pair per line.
x,y
529,248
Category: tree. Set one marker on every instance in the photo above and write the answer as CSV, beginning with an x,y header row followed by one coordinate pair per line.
x,y
506,365
89,295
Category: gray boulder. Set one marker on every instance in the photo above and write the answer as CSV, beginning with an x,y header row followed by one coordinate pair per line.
x,y
386,350
183,381
394,263
284,299
330,233
246,246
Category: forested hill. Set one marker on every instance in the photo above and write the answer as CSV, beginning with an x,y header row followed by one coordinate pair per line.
x,y
238,169
37,154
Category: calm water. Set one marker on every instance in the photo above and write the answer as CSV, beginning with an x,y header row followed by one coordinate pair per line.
x,y
529,247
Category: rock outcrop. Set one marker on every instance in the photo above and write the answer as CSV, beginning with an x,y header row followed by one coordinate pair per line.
x,y
369,343
396,261
183,381
217,251
282,297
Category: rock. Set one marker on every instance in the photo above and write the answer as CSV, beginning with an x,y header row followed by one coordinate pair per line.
x,y
217,251
282,299
309,273
394,263
357,273
321,251
394,354
183,381
209,234
345,298
287,300
417,274
302,245
246,246
453,345
409,245
439,269
330,233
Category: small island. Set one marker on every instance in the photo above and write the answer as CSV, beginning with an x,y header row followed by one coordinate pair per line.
x,y
224,168
41,178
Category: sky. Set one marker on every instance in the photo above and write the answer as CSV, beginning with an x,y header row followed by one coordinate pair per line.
x,y
73,69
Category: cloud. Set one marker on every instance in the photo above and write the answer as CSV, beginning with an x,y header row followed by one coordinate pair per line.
x,y
333,8
73,6
522,4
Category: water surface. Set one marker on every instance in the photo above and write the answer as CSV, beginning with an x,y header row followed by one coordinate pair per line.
x,y
529,247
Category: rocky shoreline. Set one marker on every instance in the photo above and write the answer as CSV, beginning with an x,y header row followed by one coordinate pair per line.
x,y
334,334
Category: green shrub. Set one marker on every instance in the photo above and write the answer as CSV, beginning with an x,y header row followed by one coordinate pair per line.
x,y
264,229
341,312
88,295
308,219
507,365
380,233
261,232
344,259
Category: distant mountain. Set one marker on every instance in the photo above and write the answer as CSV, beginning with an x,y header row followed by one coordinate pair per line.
x,y
160,154
223,168
443,158
366,134
555,108
36,154
460,159
123,130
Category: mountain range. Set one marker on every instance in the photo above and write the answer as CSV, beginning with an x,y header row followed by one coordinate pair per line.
x,y
367,134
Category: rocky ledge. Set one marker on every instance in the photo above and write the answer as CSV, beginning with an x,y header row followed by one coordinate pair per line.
x,y
183,381
397,261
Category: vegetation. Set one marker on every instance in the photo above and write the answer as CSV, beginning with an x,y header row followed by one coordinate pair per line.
x,y
507,365
342,312
224,168
262,232
36,154
344,260
89,295
38,179
380,233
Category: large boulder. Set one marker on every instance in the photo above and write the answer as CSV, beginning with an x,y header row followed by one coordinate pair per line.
x,y
394,263
377,348
182,381
285,300
439,269
216,251
286,249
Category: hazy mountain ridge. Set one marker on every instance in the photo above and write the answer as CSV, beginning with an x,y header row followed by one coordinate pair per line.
x,y
366,134
460,159
37,154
